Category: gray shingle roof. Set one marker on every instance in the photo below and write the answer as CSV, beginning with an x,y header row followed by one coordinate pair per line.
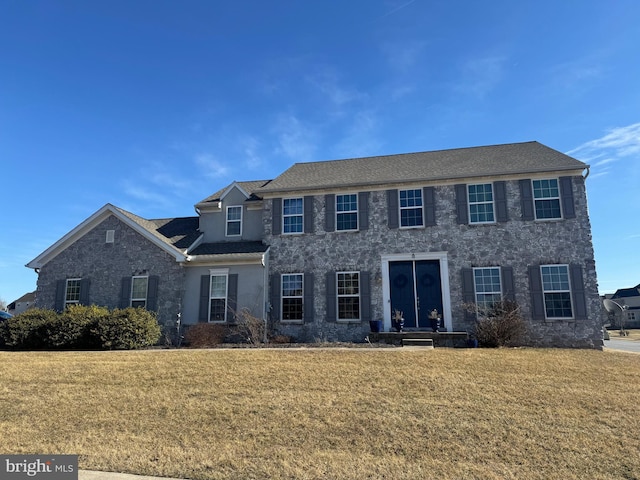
x,y
250,187
508,159
177,232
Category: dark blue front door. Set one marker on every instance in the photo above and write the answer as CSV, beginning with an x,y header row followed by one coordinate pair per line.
x,y
415,291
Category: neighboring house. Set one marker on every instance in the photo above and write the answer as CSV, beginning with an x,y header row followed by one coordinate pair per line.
x,y
629,297
23,303
327,246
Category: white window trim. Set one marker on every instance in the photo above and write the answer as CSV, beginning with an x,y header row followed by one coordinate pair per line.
x,y
296,215
400,208
282,297
227,221
570,291
66,291
338,296
220,272
533,195
492,202
475,286
131,299
356,211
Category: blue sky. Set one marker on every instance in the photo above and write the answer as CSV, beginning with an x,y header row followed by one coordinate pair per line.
x,y
153,105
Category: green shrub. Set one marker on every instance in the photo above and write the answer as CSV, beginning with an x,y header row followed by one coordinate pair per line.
x,y
202,335
71,328
27,331
126,329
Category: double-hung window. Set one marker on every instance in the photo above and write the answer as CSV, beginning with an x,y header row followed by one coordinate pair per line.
x,y
348,290
234,221
546,196
411,208
347,212
481,203
218,296
72,292
292,215
292,297
139,287
557,291
487,286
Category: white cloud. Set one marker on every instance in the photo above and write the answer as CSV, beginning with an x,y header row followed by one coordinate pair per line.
x,y
618,142
327,82
577,74
610,149
361,138
294,139
404,56
481,75
250,147
210,166
140,192
395,7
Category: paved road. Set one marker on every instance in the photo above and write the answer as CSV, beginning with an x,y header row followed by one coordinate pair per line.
x,y
622,345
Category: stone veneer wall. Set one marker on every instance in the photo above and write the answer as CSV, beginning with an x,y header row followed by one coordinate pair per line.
x,y
105,264
515,243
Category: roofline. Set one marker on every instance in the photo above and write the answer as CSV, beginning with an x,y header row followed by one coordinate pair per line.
x,y
83,228
422,180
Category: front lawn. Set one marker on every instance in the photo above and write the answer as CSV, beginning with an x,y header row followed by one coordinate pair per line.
x,y
334,413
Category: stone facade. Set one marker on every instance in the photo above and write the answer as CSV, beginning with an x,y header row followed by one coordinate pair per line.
x,y
105,264
515,243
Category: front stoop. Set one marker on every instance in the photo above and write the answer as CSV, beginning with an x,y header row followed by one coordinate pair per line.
x,y
439,339
418,342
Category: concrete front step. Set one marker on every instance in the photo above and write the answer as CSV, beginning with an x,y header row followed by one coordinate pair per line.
x,y
417,342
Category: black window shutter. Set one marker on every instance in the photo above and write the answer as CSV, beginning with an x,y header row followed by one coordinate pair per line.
x,y
307,302
429,202
203,315
508,286
84,291
537,295
500,197
392,209
468,294
125,292
363,211
462,212
526,200
276,216
566,196
365,296
275,297
329,212
308,214
331,295
577,290
232,297
61,286
152,293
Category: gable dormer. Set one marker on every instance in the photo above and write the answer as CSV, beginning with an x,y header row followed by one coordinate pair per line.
x,y
232,214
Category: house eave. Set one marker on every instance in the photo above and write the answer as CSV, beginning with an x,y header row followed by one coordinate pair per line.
x,y
227,259
90,223
437,180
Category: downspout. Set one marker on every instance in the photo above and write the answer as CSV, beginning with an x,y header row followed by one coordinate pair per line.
x,y
265,283
587,174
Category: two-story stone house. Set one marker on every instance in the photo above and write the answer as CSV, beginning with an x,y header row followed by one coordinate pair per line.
x,y
327,246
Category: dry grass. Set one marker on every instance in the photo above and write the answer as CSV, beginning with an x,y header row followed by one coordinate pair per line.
x,y
631,334
307,414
